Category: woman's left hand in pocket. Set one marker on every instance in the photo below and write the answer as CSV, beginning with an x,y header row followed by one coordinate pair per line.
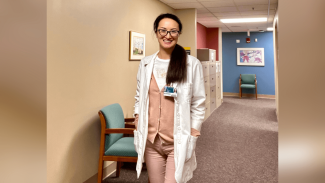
x,y
195,133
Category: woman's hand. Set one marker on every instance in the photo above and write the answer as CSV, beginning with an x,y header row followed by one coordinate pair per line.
x,y
195,132
192,144
136,121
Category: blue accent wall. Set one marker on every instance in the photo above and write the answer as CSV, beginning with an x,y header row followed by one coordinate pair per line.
x,y
231,71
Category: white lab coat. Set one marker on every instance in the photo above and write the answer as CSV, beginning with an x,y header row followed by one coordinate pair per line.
x,y
189,113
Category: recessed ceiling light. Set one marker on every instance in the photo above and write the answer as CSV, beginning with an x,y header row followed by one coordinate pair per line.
x,y
270,29
243,20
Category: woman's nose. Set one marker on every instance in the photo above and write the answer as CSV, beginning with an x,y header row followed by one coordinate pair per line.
x,y
168,35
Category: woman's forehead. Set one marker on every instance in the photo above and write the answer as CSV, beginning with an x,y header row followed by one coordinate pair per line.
x,y
168,23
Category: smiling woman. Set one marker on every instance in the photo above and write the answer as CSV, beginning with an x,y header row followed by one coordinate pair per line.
x,y
169,106
168,28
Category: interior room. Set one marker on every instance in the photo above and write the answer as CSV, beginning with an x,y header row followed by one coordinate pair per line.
x,y
89,68
89,58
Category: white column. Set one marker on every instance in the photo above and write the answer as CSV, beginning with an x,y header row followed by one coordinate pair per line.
x,y
220,59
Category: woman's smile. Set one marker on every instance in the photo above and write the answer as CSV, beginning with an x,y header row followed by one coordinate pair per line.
x,y
168,42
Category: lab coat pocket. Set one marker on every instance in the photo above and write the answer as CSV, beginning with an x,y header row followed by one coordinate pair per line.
x,y
190,147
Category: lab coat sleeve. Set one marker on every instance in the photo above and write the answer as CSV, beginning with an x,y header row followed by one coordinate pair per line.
x,y
198,96
137,94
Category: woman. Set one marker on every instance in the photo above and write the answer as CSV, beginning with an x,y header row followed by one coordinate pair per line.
x,y
168,124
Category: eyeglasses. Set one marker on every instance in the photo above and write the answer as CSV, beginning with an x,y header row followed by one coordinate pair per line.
x,y
164,32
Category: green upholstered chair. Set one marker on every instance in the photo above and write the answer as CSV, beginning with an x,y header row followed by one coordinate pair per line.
x,y
113,145
247,81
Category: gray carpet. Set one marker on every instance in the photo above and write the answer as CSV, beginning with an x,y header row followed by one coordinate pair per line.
x,y
239,143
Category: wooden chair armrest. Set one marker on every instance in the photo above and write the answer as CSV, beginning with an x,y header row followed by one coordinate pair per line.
x,y
129,119
120,130
129,125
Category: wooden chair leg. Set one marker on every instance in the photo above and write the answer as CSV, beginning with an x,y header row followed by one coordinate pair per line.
x,y
100,170
239,92
118,168
256,92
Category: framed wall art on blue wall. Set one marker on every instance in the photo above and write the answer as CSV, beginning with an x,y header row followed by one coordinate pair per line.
x,y
250,56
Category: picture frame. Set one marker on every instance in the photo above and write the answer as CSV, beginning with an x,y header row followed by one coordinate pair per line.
x,y
250,56
137,46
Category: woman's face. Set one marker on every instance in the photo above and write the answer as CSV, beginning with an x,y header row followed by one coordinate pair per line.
x,y
168,41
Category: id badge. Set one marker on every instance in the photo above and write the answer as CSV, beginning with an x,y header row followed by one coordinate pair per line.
x,y
170,91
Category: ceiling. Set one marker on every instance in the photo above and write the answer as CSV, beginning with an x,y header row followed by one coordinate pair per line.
x,y
209,12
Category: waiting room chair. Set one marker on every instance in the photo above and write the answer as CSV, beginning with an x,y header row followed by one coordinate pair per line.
x,y
113,146
247,81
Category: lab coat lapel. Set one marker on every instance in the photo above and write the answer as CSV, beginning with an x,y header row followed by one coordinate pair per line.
x,y
149,68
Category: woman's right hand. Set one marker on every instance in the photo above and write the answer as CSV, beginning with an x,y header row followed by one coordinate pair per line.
x,y
136,121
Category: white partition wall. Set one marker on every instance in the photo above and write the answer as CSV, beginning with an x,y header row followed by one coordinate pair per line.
x,y
220,62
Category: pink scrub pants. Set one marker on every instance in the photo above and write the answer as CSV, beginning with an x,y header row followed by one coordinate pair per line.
x,y
160,163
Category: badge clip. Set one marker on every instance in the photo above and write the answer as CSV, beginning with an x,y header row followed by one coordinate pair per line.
x,y
170,91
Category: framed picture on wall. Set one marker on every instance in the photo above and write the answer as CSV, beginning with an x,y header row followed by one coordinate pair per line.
x,y
250,56
137,46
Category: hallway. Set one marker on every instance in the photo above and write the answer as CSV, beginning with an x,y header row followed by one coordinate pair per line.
x,y
239,143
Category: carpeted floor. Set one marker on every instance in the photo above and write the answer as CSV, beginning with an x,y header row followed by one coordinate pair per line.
x,y
239,144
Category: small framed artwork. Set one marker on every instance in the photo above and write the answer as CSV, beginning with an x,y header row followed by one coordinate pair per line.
x,y
250,56
137,46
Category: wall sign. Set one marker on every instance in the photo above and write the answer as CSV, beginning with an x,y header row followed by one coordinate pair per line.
x,y
188,50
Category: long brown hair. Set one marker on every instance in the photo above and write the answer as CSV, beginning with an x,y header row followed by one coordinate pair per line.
x,y
177,70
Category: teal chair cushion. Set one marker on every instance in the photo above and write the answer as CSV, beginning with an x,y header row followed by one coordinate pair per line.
x,y
248,79
114,119
248,86
122,147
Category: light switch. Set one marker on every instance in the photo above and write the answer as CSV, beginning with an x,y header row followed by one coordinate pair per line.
x,y
237,41
255,39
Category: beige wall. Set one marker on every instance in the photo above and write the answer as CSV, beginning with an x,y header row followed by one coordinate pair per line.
x,y
88,68
188,36
23,91
301,91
